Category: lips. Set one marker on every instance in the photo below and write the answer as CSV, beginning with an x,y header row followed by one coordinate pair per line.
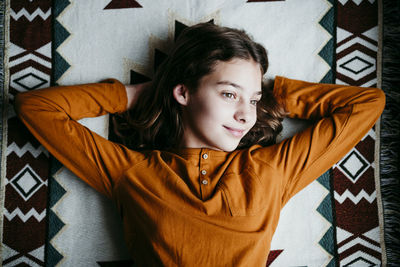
x,y
235,132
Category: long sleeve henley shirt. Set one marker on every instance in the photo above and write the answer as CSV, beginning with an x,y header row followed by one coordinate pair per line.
x,y
200,207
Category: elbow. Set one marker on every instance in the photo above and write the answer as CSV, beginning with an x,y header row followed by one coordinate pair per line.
x,y
18,103
21,101
375,104
380,100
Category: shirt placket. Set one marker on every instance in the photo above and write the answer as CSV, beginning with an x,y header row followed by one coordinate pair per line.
x,y
204,172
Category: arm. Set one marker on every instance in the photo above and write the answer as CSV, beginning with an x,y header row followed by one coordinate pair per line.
x,y
342,116
51,115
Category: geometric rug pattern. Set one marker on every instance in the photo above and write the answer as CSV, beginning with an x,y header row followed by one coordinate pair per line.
x,y
26,162
355,192
350,205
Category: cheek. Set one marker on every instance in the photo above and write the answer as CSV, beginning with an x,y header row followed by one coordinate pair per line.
x,y
214,114
254,118
202,115
211,109
221,111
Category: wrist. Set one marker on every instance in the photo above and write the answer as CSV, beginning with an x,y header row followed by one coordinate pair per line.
x,y
133,92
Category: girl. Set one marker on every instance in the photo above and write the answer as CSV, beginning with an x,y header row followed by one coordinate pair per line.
x,y
199,180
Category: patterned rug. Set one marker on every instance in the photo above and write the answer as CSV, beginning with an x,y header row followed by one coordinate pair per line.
x,y
49,217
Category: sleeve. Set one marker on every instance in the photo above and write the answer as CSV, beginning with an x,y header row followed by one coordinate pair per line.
x,y
51,115
341,115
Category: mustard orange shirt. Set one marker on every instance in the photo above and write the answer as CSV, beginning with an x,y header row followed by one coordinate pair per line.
x,y
200,207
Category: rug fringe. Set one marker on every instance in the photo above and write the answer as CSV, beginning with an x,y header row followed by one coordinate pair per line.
x,y
390,131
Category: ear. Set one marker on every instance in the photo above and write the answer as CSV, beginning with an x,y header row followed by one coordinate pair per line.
x,y
181,94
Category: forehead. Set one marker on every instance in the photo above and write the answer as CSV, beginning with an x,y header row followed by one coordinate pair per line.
x,y
244,73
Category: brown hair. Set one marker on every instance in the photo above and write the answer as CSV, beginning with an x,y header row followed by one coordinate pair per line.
x,y
155,122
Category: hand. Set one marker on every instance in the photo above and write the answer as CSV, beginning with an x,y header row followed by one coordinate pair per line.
x,y
133,92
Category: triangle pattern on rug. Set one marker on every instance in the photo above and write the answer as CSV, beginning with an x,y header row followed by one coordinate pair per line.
x,y
118,4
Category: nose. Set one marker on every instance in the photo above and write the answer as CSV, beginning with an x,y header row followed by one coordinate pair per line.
x,y
243,112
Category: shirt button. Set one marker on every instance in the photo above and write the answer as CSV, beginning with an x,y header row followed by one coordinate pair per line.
x,y
205,156
205,182
203,172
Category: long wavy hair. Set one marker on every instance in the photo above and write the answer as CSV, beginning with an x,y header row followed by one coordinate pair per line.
x,y
155,121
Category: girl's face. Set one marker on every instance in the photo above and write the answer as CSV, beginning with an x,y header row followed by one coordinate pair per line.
x,y
224,106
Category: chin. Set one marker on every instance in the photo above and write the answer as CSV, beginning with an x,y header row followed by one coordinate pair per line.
x,y
226,145
229,148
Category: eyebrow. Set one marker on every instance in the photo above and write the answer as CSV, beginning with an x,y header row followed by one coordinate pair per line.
x,y
236,86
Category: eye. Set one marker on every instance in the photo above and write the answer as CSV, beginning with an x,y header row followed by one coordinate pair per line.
x,y
254,102
229,95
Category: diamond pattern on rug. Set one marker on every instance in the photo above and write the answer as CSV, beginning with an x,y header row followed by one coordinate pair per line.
x,y
356,65
353,165
357,44
356,206
30,81
27,182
